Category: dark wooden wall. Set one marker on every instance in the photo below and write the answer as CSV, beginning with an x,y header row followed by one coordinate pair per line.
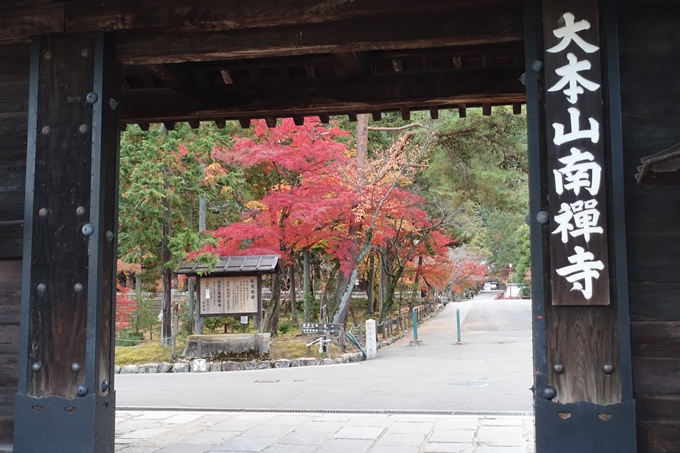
x,y
14,68
650,85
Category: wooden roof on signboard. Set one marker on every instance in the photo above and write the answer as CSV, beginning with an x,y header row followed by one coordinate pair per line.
x,y
232,266
661,169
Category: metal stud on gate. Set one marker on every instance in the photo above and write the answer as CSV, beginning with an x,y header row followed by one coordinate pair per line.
x,y
85,53
46,130
48,55
549,392
88,229
109,236
75,367
42,288
42,212
92,98
80,210
105,386
542,217
558,368
537,66
82,390
78,287
36,367
608,368
83,129
113,104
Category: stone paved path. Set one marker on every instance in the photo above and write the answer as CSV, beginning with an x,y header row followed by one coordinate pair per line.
x,y
202,432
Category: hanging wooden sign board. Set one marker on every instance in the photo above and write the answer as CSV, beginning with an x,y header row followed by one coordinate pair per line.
x,y
575,153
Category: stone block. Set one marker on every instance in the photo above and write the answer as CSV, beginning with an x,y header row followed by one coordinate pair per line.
x,y
148,368
264,365
116,370
129,369
326,361
180,367
282,363
165,367
232,366
249,365
215,366
199,366
221,346
304,361
340,360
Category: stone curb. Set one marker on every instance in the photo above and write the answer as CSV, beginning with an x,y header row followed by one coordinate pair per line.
x,y
204,366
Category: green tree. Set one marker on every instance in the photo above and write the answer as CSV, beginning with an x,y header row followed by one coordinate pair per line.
x,y
163,174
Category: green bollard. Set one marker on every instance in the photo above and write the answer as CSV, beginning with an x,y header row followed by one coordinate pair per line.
x,y
415,324
458,324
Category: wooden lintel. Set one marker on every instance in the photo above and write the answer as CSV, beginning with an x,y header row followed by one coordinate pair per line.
x,y
470,27
318,96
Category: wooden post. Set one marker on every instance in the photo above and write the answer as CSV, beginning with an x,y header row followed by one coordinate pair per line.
x,y
65,400
582,379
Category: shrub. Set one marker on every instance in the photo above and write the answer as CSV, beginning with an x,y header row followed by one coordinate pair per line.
x,y
285,326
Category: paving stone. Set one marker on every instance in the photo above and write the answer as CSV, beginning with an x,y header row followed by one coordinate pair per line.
x,y
359,432
269,431
296,438
505,421
126,426
393,449
183,418
450,435
122,448
320,427
457,423
176,434
184,448
500,436
280,448
242,444
155,415
410,428
487,449
410,440
235,425
344,446
209,437
288,420
380,420
143,433
436,447
211,419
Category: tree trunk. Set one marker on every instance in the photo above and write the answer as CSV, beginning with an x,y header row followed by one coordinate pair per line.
x,y
306,285
271,318
166,277
370,289
392,281
293,298
382,281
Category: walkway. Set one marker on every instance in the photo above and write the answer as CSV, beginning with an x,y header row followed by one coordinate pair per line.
x,y
202,432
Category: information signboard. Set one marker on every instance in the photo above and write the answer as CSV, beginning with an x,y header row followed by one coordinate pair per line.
x,y
229,295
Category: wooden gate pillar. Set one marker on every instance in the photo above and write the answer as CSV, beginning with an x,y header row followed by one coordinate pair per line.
x,y
582,359
65,400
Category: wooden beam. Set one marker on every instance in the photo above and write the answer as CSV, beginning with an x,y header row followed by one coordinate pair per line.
x,y
405,114
221,123
244,122
299,120
352,64
195,124
21,19
352,116
486,109
169,125
85,15
462,111
314,97
470,27
377,116
434,113
324,118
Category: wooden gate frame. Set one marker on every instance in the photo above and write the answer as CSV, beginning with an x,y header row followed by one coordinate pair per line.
x,y
578,425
